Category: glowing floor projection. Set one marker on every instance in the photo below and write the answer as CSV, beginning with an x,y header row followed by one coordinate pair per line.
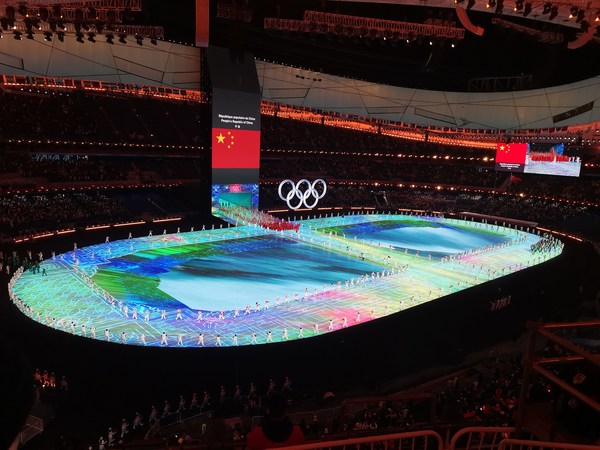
x,y
247,285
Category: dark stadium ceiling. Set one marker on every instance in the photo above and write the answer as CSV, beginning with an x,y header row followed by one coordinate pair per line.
x,y
532,51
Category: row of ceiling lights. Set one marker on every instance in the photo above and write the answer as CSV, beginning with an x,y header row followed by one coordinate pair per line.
x,y
527,7
91,37
58,27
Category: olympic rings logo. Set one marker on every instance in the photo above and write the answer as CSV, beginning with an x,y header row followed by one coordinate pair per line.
x,y
302,191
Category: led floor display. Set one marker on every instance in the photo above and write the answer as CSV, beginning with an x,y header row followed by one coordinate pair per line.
x,y
248,286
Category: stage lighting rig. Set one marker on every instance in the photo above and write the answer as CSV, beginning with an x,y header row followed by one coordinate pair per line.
x,y
499,6
518,5
573,12
585,26
44,14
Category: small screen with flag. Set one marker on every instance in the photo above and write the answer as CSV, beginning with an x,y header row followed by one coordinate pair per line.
x,y
540,158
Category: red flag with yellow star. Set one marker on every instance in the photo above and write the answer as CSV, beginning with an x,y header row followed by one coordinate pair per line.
x,y
235,149
514,153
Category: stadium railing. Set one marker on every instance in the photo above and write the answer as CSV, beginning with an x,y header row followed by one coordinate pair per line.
x,y
33,426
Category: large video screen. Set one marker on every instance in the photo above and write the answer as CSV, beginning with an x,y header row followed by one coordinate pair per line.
x,y
540,158
235,129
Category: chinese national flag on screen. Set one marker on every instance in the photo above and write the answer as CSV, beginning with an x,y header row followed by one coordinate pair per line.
x,y
511,153
235,149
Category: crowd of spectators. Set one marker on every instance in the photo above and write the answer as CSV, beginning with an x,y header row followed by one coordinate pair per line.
x,y
47,383
279,133
21,169
488,396
62,115
73,169
343,156
216,403
382,168
29,213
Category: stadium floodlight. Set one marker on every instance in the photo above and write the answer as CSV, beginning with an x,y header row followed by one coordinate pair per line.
x,y
44,14
499,6
547,8
585,26
518,6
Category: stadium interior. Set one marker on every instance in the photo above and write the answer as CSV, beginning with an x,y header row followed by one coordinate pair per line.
x,y
111,120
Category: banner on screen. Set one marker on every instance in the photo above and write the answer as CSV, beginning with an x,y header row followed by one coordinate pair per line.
x,y
511,157
539,158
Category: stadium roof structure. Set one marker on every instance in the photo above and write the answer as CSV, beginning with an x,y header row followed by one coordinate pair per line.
x,y
425,45
441,64
451,64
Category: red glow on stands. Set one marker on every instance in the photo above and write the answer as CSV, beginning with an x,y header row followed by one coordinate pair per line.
x,y
172,219
38,236
126,224
97,227
44,84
